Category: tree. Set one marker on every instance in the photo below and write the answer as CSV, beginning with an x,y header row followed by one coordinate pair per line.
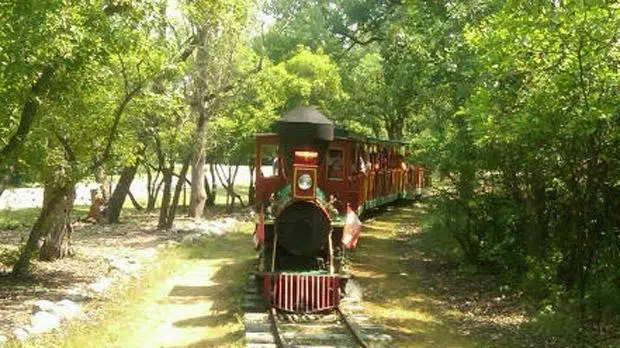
x,y
73,121
213,75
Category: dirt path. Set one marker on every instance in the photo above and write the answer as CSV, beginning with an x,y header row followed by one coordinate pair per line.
x,y
198,305
424,301
189,308
191,299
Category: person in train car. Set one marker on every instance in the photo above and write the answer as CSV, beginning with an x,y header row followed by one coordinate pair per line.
x,y
363,162
353,166
375,161
335,165
403,164
274,166
395,161
384,159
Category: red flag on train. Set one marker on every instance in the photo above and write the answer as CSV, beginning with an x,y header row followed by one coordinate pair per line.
x,y
352,229
259,232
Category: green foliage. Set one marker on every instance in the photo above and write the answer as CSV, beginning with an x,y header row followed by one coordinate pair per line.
x,y
436,237
8,257
10,254
307,78
524,128
553,323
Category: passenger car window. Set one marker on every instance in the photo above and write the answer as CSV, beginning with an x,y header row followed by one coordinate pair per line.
x,y
269,160
335,164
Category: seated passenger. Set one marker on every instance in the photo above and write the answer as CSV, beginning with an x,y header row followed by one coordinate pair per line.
x,y
334,167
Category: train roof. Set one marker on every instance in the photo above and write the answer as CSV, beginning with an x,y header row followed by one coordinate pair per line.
x,y
305,122
305,114
308,122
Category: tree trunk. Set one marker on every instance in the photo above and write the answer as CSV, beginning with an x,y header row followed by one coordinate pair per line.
x,y
394,127
177,193
198,194
252,189
57,226
115,204
150,205
213,191
165,199
135,202
55,220
27,118
104,184
229,185
153,189
58,241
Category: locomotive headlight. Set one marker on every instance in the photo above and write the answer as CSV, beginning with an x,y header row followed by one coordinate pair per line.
x,y
304,182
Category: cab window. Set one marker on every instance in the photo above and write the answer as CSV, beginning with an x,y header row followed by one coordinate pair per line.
x,y
335,164
269,160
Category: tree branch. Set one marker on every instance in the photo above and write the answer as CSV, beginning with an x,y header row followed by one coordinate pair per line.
x,y
66,146
28,116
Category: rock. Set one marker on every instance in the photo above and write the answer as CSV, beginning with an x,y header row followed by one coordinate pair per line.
x,y
67,309
172,244
126,265
219,232
21,334
43,322
100,285
230,221
43,306
193,238
3,340
149,253
77,295
209,231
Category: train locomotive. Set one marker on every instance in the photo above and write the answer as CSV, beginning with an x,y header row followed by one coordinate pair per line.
x,y
312,181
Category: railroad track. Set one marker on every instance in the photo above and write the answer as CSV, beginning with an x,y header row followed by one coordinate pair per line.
x,y
344,327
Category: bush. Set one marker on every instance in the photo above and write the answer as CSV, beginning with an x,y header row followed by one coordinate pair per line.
x,y
9,256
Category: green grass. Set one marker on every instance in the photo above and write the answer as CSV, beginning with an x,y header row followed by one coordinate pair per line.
x,y
220,200
13,219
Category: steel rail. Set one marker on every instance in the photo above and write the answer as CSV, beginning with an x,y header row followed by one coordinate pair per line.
x,y
274,328
358,338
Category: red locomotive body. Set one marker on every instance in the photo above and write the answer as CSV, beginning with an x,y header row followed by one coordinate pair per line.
x,y
310,183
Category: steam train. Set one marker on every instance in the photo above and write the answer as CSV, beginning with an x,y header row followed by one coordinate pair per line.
x,y
312,181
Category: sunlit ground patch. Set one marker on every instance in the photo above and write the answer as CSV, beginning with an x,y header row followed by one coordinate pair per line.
x,y
392,293
192,298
